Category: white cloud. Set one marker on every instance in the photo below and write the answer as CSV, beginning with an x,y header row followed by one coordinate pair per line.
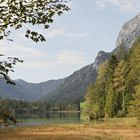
x,y
106,37
61,32
71,57
20,51
78,35
55,33
122,5
63,59
37,65
37,59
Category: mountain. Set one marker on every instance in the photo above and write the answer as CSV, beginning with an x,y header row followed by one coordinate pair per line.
x,y
75,85
129,32
39,89
14,92
27,91
72,88
68,89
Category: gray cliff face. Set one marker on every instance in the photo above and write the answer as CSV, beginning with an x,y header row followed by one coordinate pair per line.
x,y
129,32
100,58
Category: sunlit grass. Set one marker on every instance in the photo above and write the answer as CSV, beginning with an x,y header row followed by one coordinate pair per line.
x,y
111,129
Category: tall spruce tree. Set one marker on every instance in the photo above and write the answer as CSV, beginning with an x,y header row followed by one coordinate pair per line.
x,y
100,86
119,86
110,106
134,64
134,109
90,101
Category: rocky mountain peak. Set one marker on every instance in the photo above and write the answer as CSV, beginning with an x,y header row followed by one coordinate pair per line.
x,y
129,32
101,57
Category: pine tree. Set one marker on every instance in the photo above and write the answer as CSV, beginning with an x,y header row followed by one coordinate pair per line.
x,y
133,78
110,106
112,64
134,109
90,101
100,90
119,85
134,64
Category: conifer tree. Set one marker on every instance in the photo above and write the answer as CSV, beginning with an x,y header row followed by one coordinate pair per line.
x,y
119,85
134,109
110,106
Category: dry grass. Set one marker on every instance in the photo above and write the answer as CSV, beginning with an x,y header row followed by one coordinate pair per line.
x,y
110,130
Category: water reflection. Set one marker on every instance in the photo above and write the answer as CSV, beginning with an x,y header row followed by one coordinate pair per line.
x,y
50,117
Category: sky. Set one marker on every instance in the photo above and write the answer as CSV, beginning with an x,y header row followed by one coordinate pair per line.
x,y
73,40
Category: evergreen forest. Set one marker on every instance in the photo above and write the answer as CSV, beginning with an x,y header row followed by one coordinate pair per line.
x,y
116,92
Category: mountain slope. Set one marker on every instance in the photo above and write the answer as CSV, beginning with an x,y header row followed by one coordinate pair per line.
x,y
38,90
129,32
72,88
27,91
69,89
15,92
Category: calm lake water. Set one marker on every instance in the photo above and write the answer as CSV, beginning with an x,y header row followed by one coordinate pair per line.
x,y
49,118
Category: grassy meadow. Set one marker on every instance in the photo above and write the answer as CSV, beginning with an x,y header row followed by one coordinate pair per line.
x,y
114,129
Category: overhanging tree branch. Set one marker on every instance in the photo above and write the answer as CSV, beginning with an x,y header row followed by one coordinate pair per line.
x,y
16,14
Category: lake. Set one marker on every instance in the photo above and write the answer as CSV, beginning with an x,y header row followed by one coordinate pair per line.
x,y
49,118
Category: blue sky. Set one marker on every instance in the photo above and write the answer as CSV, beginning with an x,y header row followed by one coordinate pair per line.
x,y
73,40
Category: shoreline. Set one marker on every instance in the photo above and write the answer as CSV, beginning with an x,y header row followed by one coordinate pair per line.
x,y
64,111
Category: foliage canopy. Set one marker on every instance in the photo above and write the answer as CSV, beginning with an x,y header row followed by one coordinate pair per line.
x,y
116,92
23,13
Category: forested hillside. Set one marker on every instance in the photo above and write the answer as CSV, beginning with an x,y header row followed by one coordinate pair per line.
x,y
26,109
72,91
116,92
